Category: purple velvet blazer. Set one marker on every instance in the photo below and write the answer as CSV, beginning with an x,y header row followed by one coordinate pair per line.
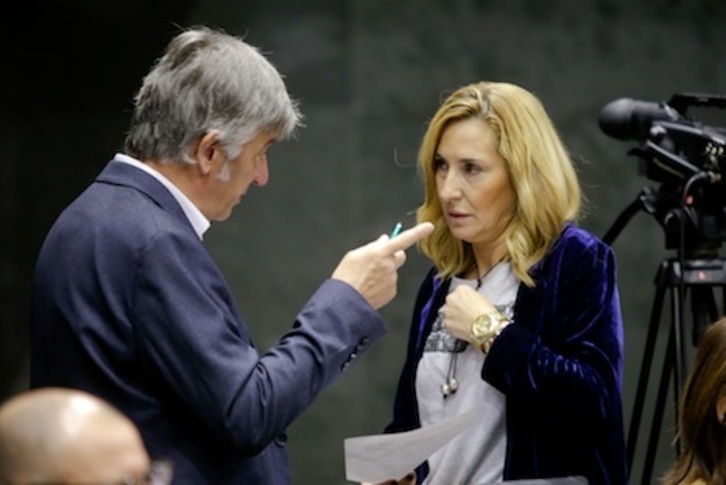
x,y
560,365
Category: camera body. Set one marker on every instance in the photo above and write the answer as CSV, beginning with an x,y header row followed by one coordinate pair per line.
x,y
687,157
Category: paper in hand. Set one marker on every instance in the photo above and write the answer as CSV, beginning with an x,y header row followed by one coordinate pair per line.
x,y
377,458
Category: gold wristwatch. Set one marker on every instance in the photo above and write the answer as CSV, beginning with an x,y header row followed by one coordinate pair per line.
x,y
487,326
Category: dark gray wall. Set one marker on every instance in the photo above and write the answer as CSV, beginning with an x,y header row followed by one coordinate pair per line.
x,y
368,74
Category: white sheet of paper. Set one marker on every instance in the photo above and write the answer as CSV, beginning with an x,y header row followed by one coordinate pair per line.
x,y
377,458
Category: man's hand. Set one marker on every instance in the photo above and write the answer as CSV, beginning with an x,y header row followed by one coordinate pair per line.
x,y
373,269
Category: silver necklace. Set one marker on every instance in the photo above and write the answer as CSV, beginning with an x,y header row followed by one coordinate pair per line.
x,y
451,385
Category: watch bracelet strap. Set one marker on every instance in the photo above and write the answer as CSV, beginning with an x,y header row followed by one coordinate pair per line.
x,y
491,331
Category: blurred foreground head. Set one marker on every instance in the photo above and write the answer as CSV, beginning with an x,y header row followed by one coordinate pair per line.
x,y
55,435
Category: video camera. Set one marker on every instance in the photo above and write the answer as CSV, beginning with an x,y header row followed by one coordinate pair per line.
x,y
686,156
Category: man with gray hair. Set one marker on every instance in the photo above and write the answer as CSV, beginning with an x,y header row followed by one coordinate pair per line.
x,y
128,304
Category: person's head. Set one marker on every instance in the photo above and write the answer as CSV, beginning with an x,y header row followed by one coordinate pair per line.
x,y
495,171
55,435
702,413
207,97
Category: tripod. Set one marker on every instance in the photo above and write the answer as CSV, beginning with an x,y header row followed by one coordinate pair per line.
x,y
695,272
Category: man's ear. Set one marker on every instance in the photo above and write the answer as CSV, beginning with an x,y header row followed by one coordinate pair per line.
x,y
721,409
207,151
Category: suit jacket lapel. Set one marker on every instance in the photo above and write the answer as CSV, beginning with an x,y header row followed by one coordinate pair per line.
x,y
119,173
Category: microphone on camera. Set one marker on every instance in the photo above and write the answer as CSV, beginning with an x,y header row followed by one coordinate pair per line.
x,y
629,119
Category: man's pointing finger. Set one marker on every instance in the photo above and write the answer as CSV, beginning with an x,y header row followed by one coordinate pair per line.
x,y
409,237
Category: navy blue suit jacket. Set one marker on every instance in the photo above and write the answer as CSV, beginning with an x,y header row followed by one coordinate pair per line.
x,y
128,304
560,365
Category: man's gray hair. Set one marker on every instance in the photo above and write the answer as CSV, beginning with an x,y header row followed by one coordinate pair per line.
x,y
208,80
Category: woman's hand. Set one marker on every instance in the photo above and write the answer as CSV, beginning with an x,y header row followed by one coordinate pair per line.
x,y
462,307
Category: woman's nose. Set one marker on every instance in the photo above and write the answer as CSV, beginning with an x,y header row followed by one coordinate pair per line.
x,y
449,187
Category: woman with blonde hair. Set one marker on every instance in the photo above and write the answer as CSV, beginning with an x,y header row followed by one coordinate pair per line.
x,y
519,317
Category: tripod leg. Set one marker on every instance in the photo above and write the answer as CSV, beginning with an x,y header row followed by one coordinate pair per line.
x,y
676,356
655,317
658,412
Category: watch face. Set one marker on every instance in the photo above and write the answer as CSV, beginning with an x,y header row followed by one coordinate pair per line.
x,y
483,328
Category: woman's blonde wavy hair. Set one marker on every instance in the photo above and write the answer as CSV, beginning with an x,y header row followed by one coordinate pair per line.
x,y
544,178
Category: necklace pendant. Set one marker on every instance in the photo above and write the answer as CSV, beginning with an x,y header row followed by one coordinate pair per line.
x,y
449,387
446,390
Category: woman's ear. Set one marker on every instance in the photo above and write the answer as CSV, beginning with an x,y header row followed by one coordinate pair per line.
x,y
721,409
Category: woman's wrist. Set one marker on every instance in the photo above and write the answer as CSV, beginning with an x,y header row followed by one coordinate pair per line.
x,y
486,327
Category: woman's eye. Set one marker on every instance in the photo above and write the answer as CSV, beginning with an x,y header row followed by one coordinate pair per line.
x,y
472,168
439,165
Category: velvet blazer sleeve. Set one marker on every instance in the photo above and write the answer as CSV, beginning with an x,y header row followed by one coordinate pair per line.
x,y
563,354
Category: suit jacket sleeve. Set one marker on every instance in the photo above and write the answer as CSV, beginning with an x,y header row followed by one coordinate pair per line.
x,y
200,350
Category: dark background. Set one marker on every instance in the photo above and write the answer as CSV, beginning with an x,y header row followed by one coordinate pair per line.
x,y
368,74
